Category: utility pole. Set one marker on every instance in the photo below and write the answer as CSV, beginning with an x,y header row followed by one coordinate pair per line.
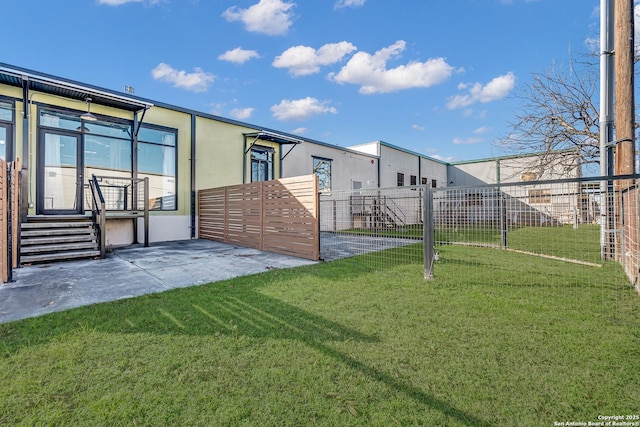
x,y
624,52
626,203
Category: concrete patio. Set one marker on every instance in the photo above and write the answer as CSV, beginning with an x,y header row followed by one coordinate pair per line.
x,y
129,272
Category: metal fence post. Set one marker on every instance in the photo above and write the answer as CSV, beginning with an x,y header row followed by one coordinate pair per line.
x,y
146,211
427,231
503,219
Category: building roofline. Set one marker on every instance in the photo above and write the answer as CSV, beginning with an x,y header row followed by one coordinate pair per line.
x,y
511,156
46,83
395,147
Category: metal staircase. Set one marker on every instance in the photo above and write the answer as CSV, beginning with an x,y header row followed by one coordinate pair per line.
x,y
57,238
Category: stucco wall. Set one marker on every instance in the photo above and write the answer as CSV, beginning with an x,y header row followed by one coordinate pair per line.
x,y
347,166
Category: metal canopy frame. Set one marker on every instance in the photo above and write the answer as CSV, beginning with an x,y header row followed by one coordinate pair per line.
x,y
30,80
266,135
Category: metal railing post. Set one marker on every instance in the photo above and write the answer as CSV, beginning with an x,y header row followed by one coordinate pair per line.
x,y
146,211
427,231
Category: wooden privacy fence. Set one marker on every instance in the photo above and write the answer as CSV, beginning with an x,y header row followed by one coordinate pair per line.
x,y
630,244
9,188
278,216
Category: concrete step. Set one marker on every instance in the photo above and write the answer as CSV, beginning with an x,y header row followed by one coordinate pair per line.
x,y
30,259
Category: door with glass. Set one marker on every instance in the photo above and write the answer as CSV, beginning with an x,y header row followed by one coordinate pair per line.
x,y
4,141
59,180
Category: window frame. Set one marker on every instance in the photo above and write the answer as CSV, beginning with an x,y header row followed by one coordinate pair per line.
x,y
328,162
400,179
270,169
8,125
138,141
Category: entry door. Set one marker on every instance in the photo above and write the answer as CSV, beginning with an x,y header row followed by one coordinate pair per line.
x,y
60,177
4,141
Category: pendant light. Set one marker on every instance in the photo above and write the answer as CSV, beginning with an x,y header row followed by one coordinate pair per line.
x,y
88,116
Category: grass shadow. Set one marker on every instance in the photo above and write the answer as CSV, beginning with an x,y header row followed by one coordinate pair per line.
x,y
230,308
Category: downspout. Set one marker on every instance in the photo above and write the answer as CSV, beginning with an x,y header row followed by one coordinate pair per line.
x,y
193,176
134,160
25,187
25,123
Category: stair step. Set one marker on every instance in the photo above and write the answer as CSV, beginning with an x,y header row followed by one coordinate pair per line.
x,y
58,239
35,225
50,218
57,232
57,248
59,256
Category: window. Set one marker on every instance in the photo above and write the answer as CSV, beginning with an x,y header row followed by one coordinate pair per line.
x,y
474,199
434,183
322,169
540,196
107,148
261,164
6,132
413,180
424,181
157,161
400,179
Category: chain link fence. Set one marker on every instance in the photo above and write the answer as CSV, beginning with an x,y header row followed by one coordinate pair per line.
x,y
384,224
575,240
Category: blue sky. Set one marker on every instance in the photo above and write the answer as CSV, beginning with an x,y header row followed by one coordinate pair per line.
x,y
435,77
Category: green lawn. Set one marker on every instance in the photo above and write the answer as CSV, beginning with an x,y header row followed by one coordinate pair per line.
x,y
582,243
340,343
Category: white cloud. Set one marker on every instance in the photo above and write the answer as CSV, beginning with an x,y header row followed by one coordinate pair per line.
x,y
468,141
348,3
272,17
198,81
241,113
443,158
305,60
417,127
371,73
301,109
496,89
482,130
239,55
299,131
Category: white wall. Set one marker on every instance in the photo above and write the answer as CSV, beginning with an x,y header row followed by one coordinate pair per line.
x,y
162,228
347,165
394,161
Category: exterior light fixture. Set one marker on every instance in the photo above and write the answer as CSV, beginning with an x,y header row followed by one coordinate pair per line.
x,y
88,116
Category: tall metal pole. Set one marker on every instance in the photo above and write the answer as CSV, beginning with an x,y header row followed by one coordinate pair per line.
x,y
427,231
606,119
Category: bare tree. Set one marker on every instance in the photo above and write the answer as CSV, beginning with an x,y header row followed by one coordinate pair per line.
x,y
558,118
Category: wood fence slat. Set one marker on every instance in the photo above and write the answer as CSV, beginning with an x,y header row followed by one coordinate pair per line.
x,y
277,216
4,238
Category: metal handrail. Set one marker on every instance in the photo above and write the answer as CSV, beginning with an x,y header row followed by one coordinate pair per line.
x,y
130,190
98,212
393,212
